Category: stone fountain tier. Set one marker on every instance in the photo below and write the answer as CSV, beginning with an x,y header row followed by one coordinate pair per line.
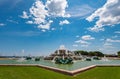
x,y
62,56
61,53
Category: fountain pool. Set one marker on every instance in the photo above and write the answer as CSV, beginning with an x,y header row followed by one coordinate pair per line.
x,y
77,65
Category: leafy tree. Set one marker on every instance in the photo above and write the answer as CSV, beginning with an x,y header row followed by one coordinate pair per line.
x,y
78,52
96,53
118,53
91,53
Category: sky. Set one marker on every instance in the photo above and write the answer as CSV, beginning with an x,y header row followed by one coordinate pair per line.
x,y
39,27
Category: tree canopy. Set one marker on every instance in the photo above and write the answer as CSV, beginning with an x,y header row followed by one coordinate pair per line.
x,y
118,53
91,53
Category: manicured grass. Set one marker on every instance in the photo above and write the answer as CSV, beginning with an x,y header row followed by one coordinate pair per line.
x,y
100,73
14,72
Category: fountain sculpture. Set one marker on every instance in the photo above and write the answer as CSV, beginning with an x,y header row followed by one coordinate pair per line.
x,y
61,56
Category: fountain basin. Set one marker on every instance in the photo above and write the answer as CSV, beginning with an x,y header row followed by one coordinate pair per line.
x,y
76,65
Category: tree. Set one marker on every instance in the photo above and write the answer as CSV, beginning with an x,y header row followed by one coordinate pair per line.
x,y
91,53
78,52
96,53
118,53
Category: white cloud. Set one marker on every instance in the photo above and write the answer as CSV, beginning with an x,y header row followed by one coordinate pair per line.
x,y
75,45
43,30
12,21
80,11
2,24
115,36
87,37
108,47
84,45
29,22
37,15
45,26
108,15
102,39
82,42
96,29
117,32
40,14
53,29
24,33
107,44
57,8
77,36
25,16
64,22
111,40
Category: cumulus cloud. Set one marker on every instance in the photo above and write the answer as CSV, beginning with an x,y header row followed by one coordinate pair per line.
x,y
96,28
37,15
43,30
45,26
29,22
108,15
64,22
85,40
82,42
25,16
2,24
87,37
111,40
53,29
57,8
40,13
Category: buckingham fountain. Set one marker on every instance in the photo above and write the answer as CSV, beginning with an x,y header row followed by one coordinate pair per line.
x,y
63,56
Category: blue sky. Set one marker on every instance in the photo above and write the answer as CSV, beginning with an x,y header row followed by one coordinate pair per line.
x,y
39,27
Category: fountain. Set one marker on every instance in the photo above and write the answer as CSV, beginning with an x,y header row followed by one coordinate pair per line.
x,y
22,59
88,59
96,58
61,56
54,58
37,59
105,58
63,59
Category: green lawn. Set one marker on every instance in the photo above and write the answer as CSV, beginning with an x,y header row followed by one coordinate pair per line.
x,y
13,72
